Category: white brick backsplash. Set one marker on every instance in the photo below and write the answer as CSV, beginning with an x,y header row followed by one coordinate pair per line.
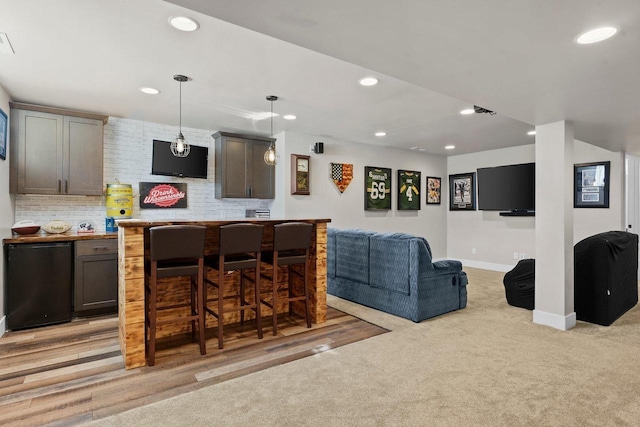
x,y
128,147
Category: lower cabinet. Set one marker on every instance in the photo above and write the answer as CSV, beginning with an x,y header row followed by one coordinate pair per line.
x,y
96,276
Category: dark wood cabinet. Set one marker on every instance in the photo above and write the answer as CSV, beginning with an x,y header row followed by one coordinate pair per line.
x,y
96,275
56,151
240,168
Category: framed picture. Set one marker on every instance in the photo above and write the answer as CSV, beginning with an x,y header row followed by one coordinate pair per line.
x,y
433,190
408,190
462,192
591,185
300,174
3,134
377,188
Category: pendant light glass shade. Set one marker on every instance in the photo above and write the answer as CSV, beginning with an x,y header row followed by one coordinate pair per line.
x,y
270,156
180,147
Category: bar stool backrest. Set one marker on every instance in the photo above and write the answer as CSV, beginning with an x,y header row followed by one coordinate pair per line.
x,y
292,236
240,238
176,241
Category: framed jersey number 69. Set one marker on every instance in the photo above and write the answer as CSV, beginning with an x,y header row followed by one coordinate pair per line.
x,y
377,188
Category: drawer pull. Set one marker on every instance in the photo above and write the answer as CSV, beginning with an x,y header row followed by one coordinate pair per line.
x,y
101,248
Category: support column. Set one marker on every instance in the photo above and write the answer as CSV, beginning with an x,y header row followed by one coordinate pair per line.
x,y
554,226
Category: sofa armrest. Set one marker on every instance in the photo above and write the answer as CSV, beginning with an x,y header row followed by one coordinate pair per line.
x,y
447,266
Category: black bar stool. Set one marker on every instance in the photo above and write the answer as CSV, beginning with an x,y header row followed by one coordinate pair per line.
x,y
240,246
291,243
175,250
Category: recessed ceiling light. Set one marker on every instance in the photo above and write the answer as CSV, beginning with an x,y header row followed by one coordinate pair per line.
x,y
380,133
596,35
531,132
467,111
149,90
368,81
449,147
289,117
183,23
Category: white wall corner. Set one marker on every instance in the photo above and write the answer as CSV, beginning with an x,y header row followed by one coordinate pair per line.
x,y
3,325
563,323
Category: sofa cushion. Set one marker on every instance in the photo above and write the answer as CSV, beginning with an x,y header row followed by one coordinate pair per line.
x,y
352,255
391,260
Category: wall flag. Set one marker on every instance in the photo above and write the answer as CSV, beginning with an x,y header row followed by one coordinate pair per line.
x,y
342,174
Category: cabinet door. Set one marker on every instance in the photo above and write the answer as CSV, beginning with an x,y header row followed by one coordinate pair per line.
x,y
83,151
96,282
234,168
262,175
39,152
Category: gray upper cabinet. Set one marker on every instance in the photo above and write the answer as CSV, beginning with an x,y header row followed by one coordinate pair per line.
x,y
240,168
55,151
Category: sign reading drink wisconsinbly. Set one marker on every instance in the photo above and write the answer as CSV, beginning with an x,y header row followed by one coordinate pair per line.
x,y
158,195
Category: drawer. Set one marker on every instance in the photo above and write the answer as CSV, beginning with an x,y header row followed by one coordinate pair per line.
x,y
96,247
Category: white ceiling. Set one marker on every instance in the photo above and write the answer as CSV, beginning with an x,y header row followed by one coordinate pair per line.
x,y
433,58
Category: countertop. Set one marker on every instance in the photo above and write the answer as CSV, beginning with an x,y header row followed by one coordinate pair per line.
x,y
69,236
124,223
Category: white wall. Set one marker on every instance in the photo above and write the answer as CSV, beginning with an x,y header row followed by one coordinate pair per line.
x,y
496,238
127,157
346,210
6,206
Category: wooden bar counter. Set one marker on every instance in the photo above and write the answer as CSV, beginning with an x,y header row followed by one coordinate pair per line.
x,y
133,241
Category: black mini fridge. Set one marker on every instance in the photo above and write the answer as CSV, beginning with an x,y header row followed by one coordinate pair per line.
x,y
39,281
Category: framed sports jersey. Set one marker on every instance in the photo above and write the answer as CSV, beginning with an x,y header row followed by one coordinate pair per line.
x,y
462,192
408,190
377,188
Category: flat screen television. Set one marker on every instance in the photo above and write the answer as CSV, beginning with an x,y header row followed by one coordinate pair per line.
x,y
509,188
165,163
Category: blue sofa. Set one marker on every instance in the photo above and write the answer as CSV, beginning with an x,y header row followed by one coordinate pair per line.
x,y
393,272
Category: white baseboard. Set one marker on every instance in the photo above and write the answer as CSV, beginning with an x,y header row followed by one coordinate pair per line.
x,y
3,326
486,265
564,323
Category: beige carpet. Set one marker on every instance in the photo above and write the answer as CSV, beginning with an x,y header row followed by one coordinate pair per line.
x,y
485,365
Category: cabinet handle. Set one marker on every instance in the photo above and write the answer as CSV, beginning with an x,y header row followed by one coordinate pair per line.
x,y
250,191
59,186
101,248
66,186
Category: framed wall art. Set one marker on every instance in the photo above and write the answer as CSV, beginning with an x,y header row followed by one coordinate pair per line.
x,y
462,192
591,185
162,195
433,190
408,190
300,174
377,188
4,122
341,175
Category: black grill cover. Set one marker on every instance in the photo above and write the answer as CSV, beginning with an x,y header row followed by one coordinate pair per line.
x,y
606,276
519,284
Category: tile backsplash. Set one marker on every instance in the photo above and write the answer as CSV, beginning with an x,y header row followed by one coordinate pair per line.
x,y
127,159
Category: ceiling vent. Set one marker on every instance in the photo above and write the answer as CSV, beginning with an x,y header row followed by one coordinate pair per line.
x,y
5,45
481,110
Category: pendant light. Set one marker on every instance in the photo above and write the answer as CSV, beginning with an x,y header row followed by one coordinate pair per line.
x,y
180,147
270,156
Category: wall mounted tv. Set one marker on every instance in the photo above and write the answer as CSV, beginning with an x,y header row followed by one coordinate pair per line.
x,y
165,163
509,188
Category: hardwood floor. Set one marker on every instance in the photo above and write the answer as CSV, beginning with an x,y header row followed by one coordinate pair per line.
x,y
73,373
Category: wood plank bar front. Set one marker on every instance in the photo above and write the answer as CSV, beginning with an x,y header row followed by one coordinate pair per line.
x,y
132,244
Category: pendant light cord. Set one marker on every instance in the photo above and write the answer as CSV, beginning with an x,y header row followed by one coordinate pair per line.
x,y
180,121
